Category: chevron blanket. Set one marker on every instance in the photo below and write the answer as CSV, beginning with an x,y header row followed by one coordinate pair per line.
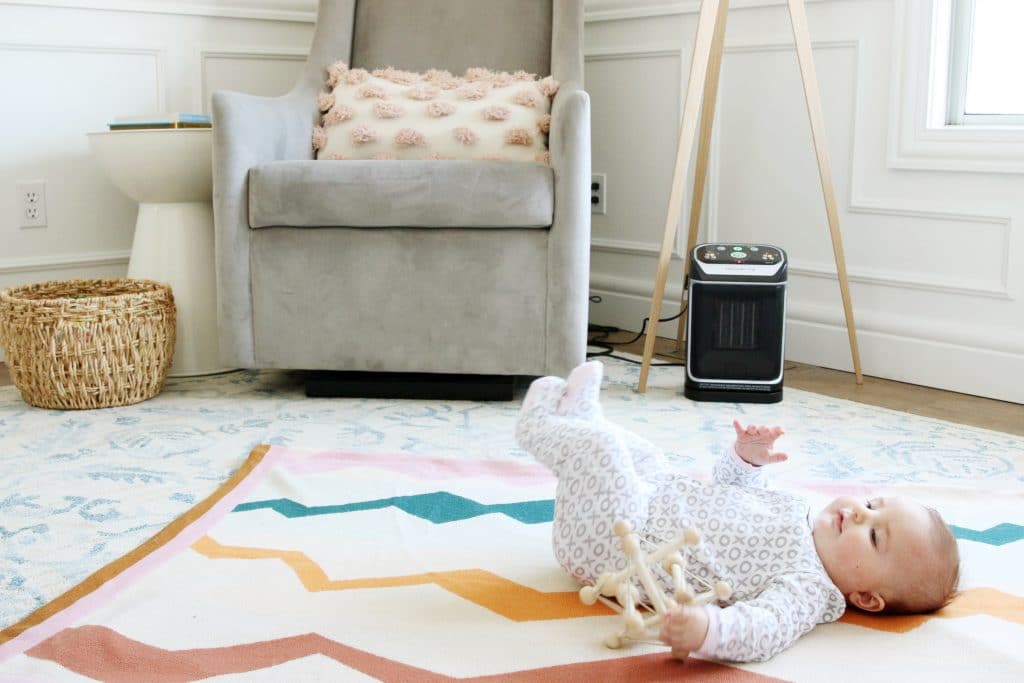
x,y
336,566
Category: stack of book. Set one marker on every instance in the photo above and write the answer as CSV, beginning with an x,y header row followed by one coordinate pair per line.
x,y
149,121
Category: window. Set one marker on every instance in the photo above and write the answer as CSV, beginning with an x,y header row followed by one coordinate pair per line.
x,y
986,60
922,133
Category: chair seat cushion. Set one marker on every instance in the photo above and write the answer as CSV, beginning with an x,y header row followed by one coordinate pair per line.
x,y
365,194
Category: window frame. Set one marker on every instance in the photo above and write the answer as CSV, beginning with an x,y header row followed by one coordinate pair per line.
x,y
919,137
961,30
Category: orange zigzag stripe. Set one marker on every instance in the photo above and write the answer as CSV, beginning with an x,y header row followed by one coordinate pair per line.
x,y
968,603
520,603
502,596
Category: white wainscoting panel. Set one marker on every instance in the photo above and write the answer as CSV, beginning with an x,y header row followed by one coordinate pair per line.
x,y
68,92
638,162
268,72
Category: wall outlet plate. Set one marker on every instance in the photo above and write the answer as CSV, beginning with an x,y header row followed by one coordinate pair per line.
x,y
599,193
31,204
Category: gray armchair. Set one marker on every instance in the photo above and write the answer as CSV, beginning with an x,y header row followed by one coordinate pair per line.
x,y
467,267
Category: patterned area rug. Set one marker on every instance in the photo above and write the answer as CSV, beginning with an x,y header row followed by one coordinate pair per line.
x,y
417,547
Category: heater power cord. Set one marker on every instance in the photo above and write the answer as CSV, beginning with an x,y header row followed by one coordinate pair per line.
x,y
608,348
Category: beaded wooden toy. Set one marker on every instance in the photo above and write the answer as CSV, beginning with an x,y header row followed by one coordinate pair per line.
x,y
670,556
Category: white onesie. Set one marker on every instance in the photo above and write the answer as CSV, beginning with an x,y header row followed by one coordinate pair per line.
x,y
758,540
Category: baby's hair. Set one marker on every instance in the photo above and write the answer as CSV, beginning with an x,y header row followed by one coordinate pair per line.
x,y
935,584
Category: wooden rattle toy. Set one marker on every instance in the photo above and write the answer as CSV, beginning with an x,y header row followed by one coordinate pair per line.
x,y
641,621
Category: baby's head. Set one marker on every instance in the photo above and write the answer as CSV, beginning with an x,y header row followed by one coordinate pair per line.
x,y
888,554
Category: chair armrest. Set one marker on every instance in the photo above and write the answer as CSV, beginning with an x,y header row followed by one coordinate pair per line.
x,y
264,129
248,130
570,126
569,238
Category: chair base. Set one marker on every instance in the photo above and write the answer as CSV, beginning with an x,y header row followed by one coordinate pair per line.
x,y
418,385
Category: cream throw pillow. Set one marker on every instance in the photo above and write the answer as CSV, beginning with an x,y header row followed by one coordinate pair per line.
x,y
394,114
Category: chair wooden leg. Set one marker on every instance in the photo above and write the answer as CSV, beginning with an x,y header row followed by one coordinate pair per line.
x,y
707,119
709,11
802,37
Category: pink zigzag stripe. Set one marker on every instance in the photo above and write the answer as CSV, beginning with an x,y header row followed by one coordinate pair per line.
x,y
509,471
853,488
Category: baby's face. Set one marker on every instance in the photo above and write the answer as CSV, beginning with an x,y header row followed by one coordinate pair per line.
x,y
868,546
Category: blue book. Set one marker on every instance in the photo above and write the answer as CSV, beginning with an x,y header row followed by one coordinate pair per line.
x,y
166,120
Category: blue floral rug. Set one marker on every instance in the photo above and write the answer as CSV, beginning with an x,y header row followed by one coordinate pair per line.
x,y
80,489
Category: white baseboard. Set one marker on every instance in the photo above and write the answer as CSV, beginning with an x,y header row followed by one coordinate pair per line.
x,y
37,269
967,370
822,341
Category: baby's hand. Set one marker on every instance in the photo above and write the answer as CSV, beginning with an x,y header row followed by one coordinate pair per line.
x,y
754,444
684,628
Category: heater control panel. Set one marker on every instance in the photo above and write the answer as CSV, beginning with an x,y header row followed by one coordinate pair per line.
x,y
731,259
739,254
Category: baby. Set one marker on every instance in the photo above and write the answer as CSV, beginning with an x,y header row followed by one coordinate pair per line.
x,y
789,569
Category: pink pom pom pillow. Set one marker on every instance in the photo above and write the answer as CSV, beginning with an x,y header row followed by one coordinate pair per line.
x,y
394,114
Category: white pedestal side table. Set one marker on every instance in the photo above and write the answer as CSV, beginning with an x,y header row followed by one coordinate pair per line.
x,y
168,171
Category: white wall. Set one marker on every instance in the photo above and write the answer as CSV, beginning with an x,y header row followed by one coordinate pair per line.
x,y
928,224
928,227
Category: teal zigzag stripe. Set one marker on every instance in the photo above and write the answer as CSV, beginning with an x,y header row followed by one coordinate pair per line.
x,y
442,507
1001,534
439,507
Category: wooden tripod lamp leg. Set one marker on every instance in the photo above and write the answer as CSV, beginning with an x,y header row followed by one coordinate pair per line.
x,y
700,176
802,37
709,10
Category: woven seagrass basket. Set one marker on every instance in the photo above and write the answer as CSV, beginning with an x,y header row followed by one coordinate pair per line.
x,y
88,343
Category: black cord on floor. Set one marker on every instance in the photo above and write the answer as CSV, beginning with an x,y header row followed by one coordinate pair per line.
x,y
609,347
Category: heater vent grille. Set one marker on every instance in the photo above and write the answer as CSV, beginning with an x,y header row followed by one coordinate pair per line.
x,y
736,324
736,332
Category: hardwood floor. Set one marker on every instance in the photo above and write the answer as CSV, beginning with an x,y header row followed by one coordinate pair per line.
x,y
1001,416
944,405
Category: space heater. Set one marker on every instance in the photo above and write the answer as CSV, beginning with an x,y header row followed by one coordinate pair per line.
x,y
736,323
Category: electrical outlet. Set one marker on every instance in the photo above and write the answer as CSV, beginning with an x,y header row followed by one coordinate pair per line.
x,y
599,193
31,204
